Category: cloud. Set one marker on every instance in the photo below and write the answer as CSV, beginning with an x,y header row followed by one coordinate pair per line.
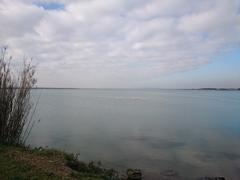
x,y
117,43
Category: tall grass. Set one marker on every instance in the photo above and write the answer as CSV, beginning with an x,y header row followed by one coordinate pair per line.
x,y
15,105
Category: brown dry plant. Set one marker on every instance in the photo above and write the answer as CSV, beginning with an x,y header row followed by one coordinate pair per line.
x,y
16,107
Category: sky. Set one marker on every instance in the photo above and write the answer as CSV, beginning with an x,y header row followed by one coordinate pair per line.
x,y
125,43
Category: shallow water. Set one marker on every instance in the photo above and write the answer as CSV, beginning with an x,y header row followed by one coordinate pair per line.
x,y
195,133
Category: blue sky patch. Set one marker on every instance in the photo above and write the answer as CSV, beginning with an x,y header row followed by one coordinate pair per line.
x,y
51,6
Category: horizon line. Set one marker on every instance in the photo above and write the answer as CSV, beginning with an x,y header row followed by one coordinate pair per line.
x,y
147,88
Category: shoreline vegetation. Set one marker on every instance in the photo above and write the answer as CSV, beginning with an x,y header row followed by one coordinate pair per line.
x,y
25,163
21,162
16,108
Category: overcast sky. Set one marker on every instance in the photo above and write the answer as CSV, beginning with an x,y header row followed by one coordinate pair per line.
x,y
126,43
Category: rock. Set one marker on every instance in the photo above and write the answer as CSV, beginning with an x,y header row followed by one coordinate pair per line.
x,y
134,174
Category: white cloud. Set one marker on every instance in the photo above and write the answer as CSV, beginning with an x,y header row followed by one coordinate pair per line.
x,y
112,43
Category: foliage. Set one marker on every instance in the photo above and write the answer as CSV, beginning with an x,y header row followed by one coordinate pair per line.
x,y
15,106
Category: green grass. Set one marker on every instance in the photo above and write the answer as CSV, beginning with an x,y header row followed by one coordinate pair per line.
x,y
21,163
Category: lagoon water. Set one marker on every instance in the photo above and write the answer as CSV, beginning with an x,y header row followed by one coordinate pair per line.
x,y
195,133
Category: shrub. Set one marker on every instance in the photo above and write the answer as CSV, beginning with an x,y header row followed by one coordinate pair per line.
x,y
15,106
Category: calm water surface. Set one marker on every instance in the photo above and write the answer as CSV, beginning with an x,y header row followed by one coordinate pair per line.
x,y
195,133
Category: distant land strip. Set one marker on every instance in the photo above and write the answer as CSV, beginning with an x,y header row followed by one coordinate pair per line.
x,y
213,89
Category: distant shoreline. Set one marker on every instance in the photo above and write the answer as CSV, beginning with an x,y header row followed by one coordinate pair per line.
x,y
132,89
205,89
215,89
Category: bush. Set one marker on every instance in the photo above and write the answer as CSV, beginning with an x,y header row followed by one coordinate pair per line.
x,y
15,106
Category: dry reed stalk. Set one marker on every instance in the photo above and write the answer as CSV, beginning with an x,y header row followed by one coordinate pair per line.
x,y
15,104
